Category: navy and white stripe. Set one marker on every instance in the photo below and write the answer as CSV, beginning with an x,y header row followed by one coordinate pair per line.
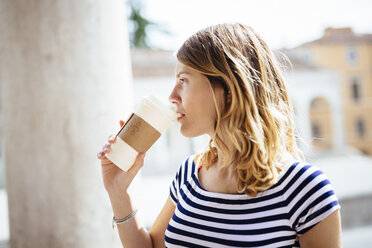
x,y
302,197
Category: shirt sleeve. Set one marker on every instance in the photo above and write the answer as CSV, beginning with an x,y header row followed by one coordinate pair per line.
x,y
314,200
183,174
175,186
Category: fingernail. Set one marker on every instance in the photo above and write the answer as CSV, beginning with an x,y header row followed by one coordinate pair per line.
x,y
106,150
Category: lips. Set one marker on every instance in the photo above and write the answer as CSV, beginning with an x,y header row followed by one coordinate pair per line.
x,y
179,115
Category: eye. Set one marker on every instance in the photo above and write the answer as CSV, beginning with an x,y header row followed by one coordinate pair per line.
x,y
182,80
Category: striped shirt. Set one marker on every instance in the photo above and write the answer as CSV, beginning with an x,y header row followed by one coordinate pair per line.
x,y
302,197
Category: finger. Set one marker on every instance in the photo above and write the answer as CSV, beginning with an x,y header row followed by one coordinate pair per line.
x,y
121,122
137,164
111,138
106,148
100,155
103,158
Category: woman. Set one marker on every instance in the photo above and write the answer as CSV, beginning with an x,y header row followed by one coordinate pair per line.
x,y
249,188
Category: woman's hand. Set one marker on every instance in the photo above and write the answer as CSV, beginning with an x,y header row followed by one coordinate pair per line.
x,y
115,179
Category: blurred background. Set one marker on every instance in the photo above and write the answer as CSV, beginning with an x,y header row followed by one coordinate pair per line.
x,y
90,55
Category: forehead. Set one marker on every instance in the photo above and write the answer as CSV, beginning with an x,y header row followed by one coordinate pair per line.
x,y
183,69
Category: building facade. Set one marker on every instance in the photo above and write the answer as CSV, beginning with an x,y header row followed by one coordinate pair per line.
x,y
349,54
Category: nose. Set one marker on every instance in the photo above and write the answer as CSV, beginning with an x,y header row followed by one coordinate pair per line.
x,y
174,97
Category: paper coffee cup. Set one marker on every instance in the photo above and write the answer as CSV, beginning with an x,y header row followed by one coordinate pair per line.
x,y
143,128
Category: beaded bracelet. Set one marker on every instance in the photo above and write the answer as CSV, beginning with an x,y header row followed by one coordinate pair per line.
x,y
126,219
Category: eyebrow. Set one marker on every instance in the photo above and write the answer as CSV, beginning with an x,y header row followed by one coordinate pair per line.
x,y
182,72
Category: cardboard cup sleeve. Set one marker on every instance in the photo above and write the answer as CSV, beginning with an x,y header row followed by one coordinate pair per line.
x,y
143,128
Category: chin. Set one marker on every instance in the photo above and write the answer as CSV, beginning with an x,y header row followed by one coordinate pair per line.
x,y
189,133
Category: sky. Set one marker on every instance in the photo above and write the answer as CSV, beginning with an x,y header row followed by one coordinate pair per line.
x,y
282,23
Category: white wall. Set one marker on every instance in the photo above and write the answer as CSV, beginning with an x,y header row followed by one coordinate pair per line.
x,y
304,86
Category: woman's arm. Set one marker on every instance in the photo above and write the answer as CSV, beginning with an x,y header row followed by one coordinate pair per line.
x,y
132,234
326,234
116,183
157,231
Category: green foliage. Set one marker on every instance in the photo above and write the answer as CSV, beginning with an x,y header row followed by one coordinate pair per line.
x,y
139,25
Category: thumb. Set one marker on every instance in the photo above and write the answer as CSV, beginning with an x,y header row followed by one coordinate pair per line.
x,y
137,164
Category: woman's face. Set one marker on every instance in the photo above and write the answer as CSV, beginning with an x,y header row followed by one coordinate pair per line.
x,y
193,97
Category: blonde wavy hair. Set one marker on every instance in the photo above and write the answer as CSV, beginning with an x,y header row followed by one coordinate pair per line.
x,y
258,118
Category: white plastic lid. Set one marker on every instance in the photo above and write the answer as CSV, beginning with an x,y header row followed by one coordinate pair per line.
x,y
167,110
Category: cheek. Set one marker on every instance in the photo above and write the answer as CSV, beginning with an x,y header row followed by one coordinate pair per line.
x,y
205,108
198,102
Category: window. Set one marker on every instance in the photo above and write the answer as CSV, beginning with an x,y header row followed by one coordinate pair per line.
x,y
360,128
315,129
316,103
355,88
351,55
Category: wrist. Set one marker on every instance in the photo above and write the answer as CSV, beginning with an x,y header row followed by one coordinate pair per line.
x,y
123,220
116,187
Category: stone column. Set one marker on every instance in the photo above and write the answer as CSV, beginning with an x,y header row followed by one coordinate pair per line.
x,y
338,130
303,125
65,83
